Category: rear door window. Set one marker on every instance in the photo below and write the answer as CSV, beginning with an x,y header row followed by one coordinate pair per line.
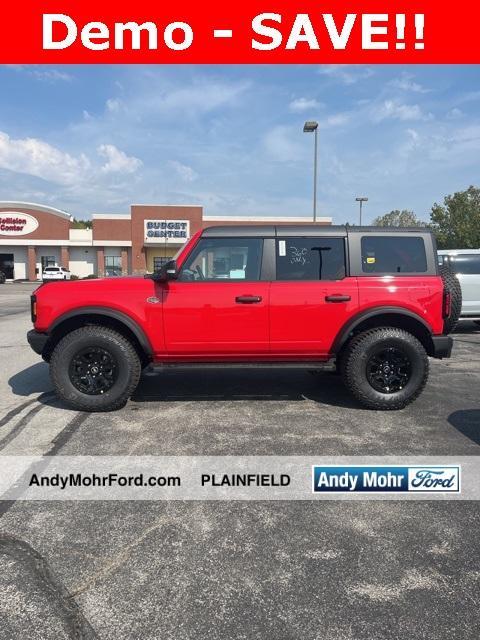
x,y
393,254
310,258
466,264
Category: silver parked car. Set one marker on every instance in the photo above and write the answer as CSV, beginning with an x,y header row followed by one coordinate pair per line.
x,y
465,263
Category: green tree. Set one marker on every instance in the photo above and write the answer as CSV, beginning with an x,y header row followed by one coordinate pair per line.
x,y
456,223
81,224
399,218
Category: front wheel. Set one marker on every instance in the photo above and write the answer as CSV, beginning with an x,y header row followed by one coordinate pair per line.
x,y
95,369
385,368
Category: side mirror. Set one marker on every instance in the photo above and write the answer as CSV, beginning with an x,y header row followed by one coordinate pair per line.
x,y
168,271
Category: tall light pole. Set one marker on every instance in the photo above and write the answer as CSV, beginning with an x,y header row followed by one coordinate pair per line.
x,y
312,127
361,201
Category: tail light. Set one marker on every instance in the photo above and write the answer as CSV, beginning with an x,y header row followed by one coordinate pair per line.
x,y
447,303
33,307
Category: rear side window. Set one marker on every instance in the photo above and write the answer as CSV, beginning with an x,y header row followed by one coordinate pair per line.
x,y
393,254
310,259
468,264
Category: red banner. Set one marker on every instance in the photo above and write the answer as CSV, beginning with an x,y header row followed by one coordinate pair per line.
x,y
254,31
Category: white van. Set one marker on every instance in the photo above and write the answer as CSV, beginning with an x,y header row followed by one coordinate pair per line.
x,y
465,263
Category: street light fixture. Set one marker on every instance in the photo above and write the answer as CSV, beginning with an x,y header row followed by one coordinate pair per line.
x,y
312,127
361,201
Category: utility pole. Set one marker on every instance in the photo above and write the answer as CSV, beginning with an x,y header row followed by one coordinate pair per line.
x,y
361,200
312,127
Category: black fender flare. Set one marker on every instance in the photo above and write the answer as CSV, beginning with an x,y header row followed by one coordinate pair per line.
x,y
353,323
119,316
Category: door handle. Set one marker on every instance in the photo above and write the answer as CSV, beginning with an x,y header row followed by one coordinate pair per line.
x,y
337,298
248,299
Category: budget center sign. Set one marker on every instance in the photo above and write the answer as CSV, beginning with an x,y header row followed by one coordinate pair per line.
x,y
166,231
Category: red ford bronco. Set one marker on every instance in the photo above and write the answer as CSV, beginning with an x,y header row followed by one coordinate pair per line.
x,y
368,299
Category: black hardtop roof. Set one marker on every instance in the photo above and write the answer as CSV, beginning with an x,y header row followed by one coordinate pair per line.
x,y
303,230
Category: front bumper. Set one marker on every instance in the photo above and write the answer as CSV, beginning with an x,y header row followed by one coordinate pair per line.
x,y
37,340
442,346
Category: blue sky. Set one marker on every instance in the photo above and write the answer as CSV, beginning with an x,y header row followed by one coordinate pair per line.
x,y
95,139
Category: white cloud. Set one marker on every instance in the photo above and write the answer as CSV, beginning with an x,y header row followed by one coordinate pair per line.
x,y
199,97
411,144
113,105
42,73
117,160
304,104
406,83
396,110
338,119
186,173
283,144
455,114
346,73
51,75
35,157
38,158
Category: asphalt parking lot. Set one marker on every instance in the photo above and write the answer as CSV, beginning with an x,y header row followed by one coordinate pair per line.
x,y
237,570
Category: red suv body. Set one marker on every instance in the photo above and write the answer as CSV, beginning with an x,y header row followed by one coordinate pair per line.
x,y
255,295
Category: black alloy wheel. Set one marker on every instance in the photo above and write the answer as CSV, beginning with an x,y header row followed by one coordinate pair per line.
x,y
389,370
93,371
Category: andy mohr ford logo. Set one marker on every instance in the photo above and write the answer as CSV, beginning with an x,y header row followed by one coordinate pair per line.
x,y
385,479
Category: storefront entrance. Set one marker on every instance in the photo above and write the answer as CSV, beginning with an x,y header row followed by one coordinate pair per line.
x,y
6,265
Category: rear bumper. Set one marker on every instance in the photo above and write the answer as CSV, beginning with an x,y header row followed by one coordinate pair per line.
x,y
442,346
37,340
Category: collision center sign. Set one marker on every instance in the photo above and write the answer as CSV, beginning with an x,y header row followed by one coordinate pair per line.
x,y
166,231
13,223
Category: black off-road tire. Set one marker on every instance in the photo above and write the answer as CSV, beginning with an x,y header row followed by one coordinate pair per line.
x,y
451,283
128,368
362,347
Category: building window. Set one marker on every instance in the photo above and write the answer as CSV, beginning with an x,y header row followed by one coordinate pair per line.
x,y
159,262
310,259
48,261
220,259
393,254
113,266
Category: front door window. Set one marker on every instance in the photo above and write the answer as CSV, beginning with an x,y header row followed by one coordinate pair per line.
x,y
224,259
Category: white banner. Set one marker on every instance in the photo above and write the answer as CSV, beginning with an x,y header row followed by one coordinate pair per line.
x,y
239,478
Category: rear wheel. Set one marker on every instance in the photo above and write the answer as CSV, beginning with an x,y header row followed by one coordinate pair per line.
x,y
451,284
385,368
95,369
